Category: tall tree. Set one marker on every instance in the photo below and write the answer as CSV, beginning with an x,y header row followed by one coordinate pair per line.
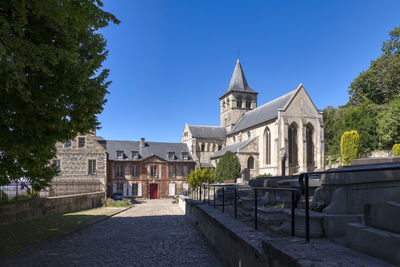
x,y
228,167
52,84
381,82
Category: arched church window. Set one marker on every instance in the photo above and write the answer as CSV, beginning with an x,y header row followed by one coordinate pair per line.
x,y
267,142
310,147
203,147
292,145
248,134
250,163
227,103
234,139
248,103
239,102
223,105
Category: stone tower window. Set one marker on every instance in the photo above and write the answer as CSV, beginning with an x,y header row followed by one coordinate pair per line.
x,y
292,145
248,134
310,147
248,103
250,163
267,138
239,102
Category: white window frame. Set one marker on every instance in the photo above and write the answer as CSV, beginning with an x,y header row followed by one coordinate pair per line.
x,y
135,171
120,171
153,171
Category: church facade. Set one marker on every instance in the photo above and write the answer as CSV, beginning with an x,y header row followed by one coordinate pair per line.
x,y
283,135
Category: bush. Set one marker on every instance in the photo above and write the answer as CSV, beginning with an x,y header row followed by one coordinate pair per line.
x,y
3,196
109,202
262,176
349,146
396,150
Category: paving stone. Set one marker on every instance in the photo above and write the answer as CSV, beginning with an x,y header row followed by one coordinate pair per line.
x,y
153,233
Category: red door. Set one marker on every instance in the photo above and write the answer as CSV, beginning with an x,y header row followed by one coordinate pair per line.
x,y
153,191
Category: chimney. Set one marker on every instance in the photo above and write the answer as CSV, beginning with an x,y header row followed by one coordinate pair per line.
x,y
142,143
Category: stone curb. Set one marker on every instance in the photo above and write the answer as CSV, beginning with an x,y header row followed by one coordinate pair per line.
x,y
61,236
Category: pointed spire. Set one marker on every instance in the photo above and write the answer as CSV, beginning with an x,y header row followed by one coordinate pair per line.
x,y
238,80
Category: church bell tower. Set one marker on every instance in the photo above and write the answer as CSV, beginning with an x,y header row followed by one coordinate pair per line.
x,y
237,100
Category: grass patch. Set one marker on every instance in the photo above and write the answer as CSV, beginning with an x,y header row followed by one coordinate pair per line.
x,y
20,235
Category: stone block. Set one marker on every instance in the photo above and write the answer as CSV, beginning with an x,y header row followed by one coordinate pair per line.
x,y
384,216
335,224
375,242
271,216
316,229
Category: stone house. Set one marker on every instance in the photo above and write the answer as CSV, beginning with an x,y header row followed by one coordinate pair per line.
x,y
82,164
287,131
147,169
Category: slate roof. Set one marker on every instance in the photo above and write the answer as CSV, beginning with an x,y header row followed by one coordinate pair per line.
x,y
238,81
206,165
266,112
151,148
232,148
207,131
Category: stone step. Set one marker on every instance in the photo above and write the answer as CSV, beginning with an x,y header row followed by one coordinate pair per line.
x,y
384,216
375,242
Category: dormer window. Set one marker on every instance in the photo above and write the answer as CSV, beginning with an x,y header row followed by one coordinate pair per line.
x,y
185,155
120,154
135,155
171,155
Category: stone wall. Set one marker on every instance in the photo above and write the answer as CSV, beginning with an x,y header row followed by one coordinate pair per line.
x,y
74,176
16,211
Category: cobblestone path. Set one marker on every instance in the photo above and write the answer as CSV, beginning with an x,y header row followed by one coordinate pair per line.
x,y
154,233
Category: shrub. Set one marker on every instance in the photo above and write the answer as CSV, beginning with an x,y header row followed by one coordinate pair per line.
x,y
262,176
109,202
349,146
3,196
396,150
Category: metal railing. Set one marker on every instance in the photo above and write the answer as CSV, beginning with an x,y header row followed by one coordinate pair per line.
x,y
303,180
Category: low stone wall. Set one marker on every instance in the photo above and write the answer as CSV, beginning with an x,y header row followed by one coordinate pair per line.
x,y
233,248
16,211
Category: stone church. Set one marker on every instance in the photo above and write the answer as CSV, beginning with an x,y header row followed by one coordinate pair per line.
x,y
284,134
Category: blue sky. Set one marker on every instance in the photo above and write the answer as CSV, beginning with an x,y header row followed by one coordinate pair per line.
x,y
171,60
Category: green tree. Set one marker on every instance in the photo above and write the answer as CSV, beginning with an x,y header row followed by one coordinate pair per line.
x,y
388,124
349,146
381,82
198,177
228,167
52,84
363,119
396,150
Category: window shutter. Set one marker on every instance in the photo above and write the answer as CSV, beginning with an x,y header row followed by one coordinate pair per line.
x,y
140,190
171,189
124,192
130,190
114,188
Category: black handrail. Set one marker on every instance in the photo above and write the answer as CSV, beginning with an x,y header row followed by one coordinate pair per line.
x,y
293,204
